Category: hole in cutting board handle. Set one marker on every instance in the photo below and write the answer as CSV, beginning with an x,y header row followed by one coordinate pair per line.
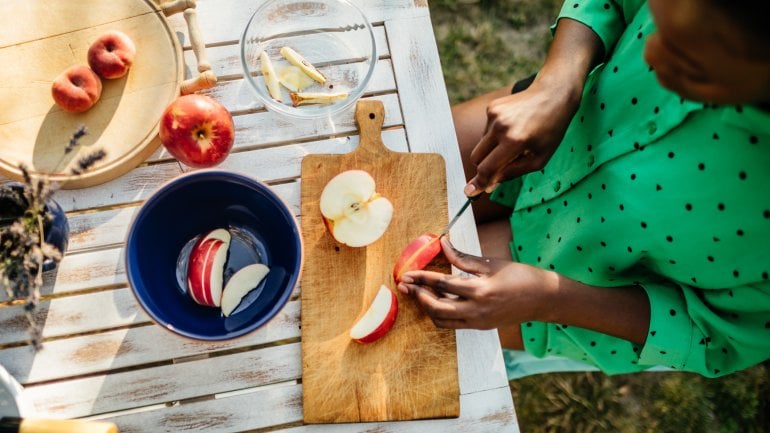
x,y
372,116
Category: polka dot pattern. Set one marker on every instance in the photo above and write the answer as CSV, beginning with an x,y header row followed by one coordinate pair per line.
x,y
657,191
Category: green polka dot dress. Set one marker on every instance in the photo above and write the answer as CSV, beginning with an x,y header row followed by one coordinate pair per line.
x,y
651,189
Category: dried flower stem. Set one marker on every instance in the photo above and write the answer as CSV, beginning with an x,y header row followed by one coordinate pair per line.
x,y
23,249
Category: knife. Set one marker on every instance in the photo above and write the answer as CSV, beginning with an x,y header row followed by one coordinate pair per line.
x,y
19,425
458,214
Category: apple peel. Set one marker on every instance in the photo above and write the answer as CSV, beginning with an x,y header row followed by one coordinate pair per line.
x,y
240,284
308,98
297,60
271,79
378,318
294,79
417,255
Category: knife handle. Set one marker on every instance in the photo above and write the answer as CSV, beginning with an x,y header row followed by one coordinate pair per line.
x,y
31,425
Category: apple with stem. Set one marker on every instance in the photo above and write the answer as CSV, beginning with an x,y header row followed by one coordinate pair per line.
x,y
355,214
240,284
378,318
205,270
197,130
416,255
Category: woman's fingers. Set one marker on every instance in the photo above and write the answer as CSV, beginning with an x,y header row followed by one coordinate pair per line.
x,y
465,262
440,283
437,307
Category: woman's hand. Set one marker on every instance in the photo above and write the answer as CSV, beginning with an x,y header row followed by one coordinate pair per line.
x,y
502,293
523,131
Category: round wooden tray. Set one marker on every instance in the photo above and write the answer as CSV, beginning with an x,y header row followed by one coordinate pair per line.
x,y
40,39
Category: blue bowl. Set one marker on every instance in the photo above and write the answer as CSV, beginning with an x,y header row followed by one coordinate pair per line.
x,y
263,230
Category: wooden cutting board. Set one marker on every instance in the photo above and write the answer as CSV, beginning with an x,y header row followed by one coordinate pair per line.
x,y
42,38
411,373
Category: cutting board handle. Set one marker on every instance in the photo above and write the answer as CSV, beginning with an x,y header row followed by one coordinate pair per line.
x,y
206,77
370,115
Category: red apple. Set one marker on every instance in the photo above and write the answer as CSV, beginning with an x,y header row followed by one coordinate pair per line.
x,y
205,269
112,54
240,284
76,89
417,255
378,319
197,130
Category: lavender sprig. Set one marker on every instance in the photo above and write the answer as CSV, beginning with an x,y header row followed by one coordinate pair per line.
x,y
23,248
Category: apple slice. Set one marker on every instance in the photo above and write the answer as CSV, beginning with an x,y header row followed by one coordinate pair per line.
x,y
295,59
416,255
294,79
353,212
378,319
271,80
241,283
206,267
298,99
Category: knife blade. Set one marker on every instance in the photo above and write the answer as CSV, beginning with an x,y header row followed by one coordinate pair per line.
x,y
458,214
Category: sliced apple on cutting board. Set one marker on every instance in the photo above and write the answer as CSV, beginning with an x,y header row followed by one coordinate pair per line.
x,y
205,270
355,214
378,319
240,284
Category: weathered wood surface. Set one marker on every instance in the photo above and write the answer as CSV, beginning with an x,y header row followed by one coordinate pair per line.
x,y
104,358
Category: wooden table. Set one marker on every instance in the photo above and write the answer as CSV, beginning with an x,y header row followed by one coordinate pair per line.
x,y
104,358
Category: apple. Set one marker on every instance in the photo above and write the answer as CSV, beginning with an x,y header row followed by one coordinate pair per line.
x,y
271,79
241,283
76,89
416,255
197,130
112,54
353,211
378,319
205,269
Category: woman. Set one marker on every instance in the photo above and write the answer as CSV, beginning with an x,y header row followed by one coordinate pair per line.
x,y
636,166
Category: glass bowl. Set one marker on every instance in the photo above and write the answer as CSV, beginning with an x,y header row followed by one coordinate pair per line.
x,y
333,35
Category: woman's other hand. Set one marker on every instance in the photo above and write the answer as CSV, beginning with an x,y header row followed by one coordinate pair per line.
x,y
524,129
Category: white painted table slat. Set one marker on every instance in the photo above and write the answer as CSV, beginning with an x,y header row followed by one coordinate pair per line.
x,y
105,359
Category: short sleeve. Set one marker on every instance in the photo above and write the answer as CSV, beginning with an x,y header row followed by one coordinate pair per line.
x,y
607,18
710,332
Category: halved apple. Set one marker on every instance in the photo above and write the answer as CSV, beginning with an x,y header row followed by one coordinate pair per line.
x,y
378,319
241,283
416,255
205,268
353,211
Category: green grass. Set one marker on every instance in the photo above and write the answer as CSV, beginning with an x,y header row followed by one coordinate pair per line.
x,y
485,44
488,44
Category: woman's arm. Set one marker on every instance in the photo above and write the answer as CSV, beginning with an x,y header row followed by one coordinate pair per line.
x,y
524,129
